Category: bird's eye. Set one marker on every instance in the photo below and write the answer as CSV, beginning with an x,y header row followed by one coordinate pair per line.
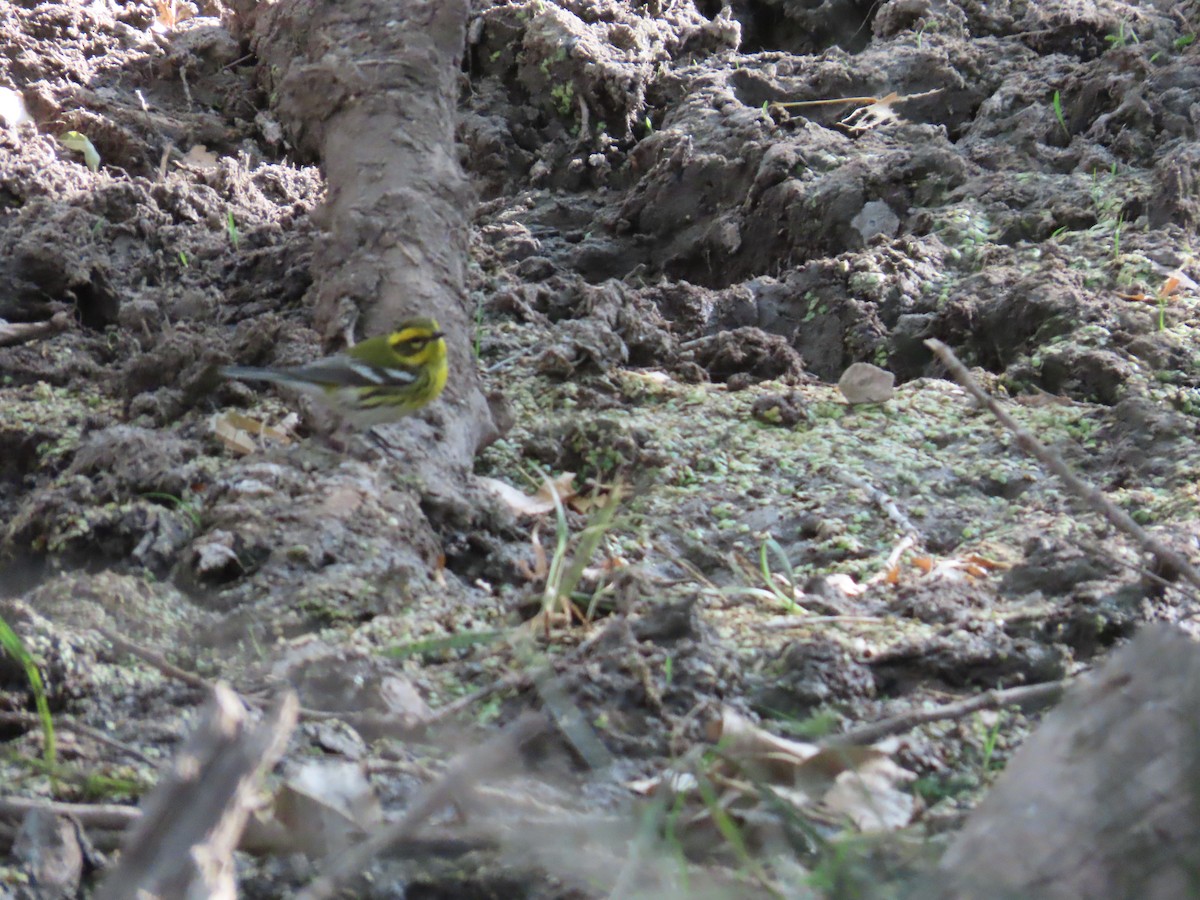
x,y
416,345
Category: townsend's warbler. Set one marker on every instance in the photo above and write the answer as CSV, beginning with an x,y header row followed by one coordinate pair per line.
x,y
378,380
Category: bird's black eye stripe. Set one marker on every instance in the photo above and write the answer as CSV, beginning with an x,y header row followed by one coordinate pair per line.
x,y
416,345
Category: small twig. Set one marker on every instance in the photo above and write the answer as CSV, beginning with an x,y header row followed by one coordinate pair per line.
x,y
106,816
64,724
187,91
22,332
238,61
1094,498
908,542
783,623
468,768
880,499
155,660
1098,552
838,101
1026,696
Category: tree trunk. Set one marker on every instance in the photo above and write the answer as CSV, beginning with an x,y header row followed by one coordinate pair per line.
x,y
369,88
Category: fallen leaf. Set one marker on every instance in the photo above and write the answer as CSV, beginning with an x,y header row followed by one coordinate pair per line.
x,y
1169,288
326,805
867,117
541,563
871,797
238,432
744,742
405,702
522,504
200,157
846,584
675,782
168,14
973,565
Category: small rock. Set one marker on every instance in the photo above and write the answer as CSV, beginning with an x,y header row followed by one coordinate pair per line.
x,y
875,218
865,383
215,558
48,848
12,108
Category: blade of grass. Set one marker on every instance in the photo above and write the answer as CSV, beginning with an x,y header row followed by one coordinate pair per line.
x,y
11,643
1056,102
442,644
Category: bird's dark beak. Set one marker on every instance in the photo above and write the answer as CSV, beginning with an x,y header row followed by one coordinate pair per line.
x,y
438,334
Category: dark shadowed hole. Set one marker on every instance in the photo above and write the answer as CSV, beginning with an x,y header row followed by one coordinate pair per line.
x,y
807,26
97,304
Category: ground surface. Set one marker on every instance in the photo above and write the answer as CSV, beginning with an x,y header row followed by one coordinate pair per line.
x,y
670,271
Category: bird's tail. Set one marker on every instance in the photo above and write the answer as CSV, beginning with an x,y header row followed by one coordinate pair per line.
x,y
250,373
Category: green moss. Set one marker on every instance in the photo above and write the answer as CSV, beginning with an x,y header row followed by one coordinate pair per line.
x,y
563,96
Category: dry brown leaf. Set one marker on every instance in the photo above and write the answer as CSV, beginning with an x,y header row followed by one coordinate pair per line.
x,y
169,13
973,565
871,797
1169,288
878,113
404,702
238,432
200,157
541,563
542,502
746,743
326,805
846,584
675,782
164,15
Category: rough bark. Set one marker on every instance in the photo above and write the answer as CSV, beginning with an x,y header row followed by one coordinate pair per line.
x,y
369,88
1104,799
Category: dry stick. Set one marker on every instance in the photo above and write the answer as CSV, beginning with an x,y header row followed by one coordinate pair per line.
x,y
784,623
61,724
468,768
1118,518
21,332
1027,696
156,660
106,816
838,101
880,499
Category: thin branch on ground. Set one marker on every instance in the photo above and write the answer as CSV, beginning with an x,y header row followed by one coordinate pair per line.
x,y
1092,496
880,499
1027,696
156,660
103,816
22,332
66,724
786,623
